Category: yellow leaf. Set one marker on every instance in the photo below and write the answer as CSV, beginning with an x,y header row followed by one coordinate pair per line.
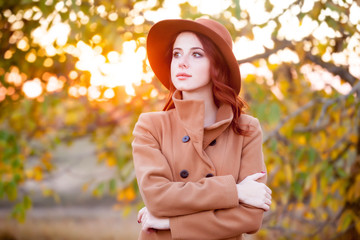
x,y
38,176
313,188
29,173
288,172
357,187
335,186
357,224
273,205
71,118
334,204
324,216
130,194
344,221
111,161
85,187
309,215
316,200
120,196
46,161
300,206
302,140
353,138
126,211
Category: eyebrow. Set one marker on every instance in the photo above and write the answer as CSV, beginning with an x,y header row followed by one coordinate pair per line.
x,y
193,48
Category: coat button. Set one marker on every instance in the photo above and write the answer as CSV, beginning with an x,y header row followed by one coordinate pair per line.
x,y
213,142
185,139
209,175
184,173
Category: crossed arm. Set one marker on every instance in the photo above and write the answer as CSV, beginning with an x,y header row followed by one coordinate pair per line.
x,y
231,207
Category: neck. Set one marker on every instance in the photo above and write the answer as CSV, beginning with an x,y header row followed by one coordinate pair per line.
x,y
210,106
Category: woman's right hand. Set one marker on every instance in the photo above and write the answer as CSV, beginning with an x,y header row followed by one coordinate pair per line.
x,y
254,193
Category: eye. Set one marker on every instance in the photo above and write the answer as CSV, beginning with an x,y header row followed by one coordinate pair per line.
x,y
176,54
197,54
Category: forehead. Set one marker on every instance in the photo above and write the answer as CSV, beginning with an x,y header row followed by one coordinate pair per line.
x,y
187,39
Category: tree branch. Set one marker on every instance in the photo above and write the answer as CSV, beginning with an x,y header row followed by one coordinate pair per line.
x,y
279,46
292,115
340,71
328,103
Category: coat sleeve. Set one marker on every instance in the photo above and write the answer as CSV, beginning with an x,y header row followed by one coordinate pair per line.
x,y
226,223
162,196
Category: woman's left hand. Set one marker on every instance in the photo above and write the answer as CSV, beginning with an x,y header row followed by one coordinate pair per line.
x,y
151,223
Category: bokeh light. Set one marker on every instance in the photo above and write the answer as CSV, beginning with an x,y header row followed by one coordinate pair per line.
x,y
125,68
32,88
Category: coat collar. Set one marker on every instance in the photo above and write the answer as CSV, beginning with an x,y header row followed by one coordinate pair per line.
x,y
191,114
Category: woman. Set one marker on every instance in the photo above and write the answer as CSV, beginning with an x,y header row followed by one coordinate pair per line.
x,y
199,163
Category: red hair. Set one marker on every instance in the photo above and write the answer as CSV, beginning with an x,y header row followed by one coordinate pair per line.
x,y
220,76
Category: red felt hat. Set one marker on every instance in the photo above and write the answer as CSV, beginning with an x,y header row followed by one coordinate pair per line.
x,y
162,33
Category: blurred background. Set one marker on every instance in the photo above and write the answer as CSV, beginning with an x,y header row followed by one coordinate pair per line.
x,y
74,78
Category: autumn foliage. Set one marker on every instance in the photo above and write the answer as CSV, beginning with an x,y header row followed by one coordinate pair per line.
x,y
73,69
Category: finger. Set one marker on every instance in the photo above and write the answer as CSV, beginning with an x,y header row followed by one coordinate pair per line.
x,y
140,214
266,207
268,190
268,201
256,176
144,223
144,219
268,196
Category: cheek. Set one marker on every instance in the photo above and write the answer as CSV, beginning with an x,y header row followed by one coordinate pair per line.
x,y
205,69
172,68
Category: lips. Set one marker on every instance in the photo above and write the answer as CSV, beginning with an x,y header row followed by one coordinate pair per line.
x,y
183,75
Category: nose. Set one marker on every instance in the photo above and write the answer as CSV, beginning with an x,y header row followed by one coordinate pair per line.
x,y
183,63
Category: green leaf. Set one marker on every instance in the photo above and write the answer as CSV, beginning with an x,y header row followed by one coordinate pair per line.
x,y
237,9
112,186
18,212
99,190
299,154
11,191
2,189
275,113
312,156
273,145
297,189
27,202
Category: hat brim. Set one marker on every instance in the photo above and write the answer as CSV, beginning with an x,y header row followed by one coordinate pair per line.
x,y
162,33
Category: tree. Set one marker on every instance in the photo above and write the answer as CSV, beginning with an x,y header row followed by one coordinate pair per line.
x,y
59,81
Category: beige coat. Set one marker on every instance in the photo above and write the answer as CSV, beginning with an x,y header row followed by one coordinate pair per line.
x,y
188,173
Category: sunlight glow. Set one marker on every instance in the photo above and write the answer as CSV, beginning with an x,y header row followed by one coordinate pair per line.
x,y
120,70
111,69
23,44
54,84
256,10
32,88
15,77
244,48
292,29
93,92
2,92
58,33
285,55
354,14
321,79
211,7
109,93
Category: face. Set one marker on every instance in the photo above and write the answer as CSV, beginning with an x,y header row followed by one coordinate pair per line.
x,y
190,66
